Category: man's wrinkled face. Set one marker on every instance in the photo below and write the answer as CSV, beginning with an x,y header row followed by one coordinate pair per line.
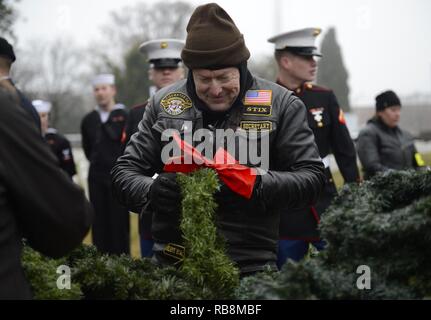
x,y
218,89
162,77
104,94
390,116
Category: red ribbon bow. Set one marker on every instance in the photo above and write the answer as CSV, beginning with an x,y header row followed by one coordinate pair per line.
x,y
237,177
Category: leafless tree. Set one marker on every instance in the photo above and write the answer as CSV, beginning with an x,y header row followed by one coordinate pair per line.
x,y
8,16
117,52
131,26
55,71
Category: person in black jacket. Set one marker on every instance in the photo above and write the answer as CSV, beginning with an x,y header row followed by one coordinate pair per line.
x,y
220,96
382,145
37,200
103,139
295,53
59,144
164,56
7,58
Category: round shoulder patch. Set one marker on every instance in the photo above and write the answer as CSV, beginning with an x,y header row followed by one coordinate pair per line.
x,y
176,103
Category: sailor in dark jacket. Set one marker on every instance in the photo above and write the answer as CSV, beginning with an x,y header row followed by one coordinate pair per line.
x,y
59,144
38,201
221,94
164,56
103,139
382,145
295,54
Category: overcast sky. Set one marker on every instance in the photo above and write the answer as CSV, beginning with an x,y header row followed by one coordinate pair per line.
x,y
386,44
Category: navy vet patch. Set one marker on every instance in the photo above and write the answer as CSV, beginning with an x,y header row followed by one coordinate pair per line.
x,y
256,125
176,103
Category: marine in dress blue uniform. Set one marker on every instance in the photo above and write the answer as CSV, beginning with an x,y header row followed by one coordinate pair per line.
x,y
295,53
164,56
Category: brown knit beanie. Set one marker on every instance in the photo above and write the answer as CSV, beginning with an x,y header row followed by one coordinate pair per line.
x,y
213,40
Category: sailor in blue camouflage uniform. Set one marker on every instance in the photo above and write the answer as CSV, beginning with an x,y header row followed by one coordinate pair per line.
x,y
295,54
59,144
164,56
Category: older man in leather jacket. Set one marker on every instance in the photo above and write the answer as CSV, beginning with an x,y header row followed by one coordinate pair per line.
x,y
220,93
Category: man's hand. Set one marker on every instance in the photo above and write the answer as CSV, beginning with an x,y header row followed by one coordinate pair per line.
x,y
165,194
230,201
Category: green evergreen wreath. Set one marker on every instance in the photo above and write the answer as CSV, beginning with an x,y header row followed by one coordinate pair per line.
x,y
206,262
206,272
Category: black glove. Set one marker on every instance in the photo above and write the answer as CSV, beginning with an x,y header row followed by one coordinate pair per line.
x,y
230,201
165,199
165,194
